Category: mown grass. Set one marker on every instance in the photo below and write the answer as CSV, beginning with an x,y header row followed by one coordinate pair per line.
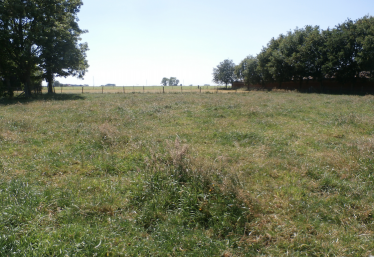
x,y
237,174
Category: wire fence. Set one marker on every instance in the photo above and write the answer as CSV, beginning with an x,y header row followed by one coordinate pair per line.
x,y
143,89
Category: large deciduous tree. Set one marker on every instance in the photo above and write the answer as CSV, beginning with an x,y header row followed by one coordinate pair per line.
x,y
61,54
224,72
343,50
41,35
247,71
365,38
18,19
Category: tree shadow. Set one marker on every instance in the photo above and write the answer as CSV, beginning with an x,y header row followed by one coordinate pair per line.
x,y
325,92
42,97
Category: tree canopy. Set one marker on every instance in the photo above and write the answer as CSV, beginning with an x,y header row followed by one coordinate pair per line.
x,y
172,81
224,73
344,53
40,39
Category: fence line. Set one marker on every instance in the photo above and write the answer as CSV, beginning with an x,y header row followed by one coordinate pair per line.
x,y
146,89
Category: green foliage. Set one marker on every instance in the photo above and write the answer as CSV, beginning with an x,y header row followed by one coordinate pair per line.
x,y
173,81
224,72
365,38
247,71
165,81
41,36
344,53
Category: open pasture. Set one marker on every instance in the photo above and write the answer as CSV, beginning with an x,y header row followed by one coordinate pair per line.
x,y
245,174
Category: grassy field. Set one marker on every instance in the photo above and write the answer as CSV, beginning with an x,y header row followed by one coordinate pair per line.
x,y
239,174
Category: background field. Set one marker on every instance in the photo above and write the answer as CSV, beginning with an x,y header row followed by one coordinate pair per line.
x,y
207,174
143,89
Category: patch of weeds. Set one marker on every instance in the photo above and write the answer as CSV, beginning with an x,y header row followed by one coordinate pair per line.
x,y
195,204
328,185
19,125
190,199
131,162
35,142
350,119
18,200
108,134
314,174
123,140
245,139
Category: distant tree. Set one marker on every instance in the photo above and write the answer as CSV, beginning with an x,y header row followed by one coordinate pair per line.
x,y
239,70
251,74
224,72
263,60
278,66
247,71
173,81
343,50
165,81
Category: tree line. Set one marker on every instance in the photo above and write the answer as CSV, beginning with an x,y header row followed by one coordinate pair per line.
x,y
39,39
344,53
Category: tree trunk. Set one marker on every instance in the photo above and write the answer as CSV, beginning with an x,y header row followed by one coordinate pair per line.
x,y
27,84
27,74
9,87
50,81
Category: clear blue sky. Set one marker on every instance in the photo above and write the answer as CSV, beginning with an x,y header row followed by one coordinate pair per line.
x,y
134,42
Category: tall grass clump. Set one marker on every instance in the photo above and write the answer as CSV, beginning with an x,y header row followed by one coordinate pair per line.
x,y
183,196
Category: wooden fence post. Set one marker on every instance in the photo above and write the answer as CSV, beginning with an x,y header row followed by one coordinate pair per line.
x,y
143,89
163,90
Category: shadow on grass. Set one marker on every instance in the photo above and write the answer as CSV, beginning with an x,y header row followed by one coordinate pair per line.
x,y
227,89
43,97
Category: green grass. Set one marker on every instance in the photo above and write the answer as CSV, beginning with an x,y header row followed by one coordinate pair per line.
x,y
239,174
